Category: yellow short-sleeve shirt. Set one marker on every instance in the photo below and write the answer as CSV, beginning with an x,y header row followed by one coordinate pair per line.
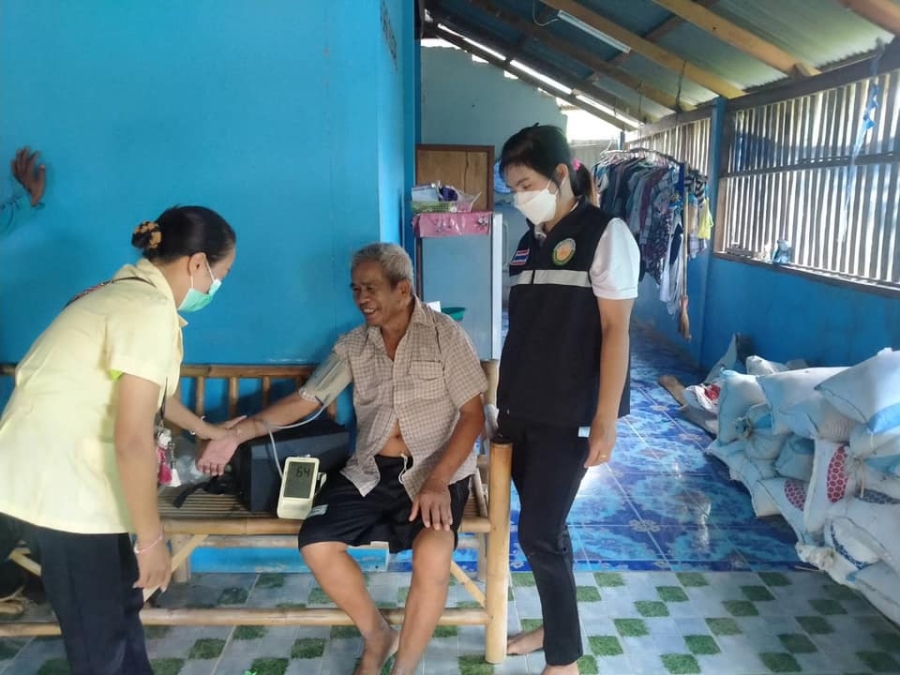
x,y
57,456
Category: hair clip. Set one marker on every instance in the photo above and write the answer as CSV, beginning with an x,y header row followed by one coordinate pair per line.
x,y
155,239
155,235
146,226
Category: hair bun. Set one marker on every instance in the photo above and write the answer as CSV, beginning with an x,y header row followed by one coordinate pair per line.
x,y
146,236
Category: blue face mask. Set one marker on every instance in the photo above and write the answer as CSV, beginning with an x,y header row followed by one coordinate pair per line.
x,y
194,300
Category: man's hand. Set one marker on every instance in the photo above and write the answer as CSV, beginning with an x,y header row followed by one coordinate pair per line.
x,y
601,441
217,453
32,177
433,501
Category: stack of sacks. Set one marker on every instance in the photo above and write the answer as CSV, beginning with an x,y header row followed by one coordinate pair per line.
x,y
860,500
744,443
821,446
813,426
750,472
753,441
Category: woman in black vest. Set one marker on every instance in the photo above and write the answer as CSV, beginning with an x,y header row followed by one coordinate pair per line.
x,y
564,370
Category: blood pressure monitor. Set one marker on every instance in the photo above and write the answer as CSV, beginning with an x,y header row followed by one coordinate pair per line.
x,y
299,485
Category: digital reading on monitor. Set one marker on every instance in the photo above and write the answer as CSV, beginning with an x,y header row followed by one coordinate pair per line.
x,y
299,480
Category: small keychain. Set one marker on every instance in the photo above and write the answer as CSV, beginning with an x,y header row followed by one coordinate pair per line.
x,y
167,474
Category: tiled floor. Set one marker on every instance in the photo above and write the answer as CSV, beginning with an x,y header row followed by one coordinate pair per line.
x,y
633,622
675,576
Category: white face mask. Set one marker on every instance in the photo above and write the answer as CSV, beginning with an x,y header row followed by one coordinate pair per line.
x,y
538,206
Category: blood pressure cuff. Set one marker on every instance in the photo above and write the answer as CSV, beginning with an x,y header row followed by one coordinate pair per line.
x,y
328,380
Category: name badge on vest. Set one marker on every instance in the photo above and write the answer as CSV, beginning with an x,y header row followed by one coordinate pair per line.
x,y
563,251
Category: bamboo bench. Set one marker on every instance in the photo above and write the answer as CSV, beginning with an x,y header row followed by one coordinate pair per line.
x,y
206,520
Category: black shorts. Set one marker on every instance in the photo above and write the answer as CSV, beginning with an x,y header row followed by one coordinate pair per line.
x,y
382,515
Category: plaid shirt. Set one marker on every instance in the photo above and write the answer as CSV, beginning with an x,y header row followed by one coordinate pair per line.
x,y
434,372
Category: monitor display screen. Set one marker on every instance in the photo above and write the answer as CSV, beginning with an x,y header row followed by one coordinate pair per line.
x,y
298,479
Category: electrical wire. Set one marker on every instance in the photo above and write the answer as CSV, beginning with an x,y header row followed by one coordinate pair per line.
x,y
535,19
273,450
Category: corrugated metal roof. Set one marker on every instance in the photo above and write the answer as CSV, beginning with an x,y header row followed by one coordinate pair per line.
x,y
819,32
730,63
667,80
638,16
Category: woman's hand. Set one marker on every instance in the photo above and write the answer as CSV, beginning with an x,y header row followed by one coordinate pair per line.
x,y
217,432
31,175
601,441
155,566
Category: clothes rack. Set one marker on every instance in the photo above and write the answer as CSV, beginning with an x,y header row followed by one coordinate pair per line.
x,y
663,202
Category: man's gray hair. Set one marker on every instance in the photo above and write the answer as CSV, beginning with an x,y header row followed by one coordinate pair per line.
x,y
394,261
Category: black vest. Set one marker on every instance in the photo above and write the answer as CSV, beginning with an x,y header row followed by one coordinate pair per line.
x,y
550,368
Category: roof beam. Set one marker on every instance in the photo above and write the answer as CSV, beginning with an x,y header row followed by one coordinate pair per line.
x,y
583,56
747,42
659,32
647,49
883,13
578,86
525,77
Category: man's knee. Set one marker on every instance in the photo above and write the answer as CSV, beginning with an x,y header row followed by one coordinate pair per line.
x,y
432,553
321,552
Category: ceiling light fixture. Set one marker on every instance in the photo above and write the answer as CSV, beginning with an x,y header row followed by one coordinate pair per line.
x,y
590,30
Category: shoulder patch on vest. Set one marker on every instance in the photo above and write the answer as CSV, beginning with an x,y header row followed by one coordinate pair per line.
x,y
520,258
563,251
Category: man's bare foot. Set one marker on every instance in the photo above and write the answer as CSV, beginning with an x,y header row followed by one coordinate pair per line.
x,y
571,669
377,649
526,643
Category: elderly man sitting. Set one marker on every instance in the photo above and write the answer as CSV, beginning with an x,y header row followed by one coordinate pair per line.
x,y
417,394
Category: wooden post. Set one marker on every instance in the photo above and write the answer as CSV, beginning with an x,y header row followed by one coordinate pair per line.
x,y
249,616
481,570
20,557
460,575
182,573
499,483
179,557
492,373
482,538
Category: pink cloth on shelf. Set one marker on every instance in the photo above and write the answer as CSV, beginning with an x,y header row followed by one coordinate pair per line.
x,y
453,224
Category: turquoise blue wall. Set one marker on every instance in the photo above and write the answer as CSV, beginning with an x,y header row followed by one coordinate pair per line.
x,y
412,122
794,317
394,72
287,117
786,315
649,310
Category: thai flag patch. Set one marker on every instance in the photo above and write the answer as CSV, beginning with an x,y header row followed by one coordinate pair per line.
x,y
520,258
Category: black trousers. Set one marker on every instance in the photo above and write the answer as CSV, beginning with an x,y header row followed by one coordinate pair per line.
x,y
547,468
11,575
88,579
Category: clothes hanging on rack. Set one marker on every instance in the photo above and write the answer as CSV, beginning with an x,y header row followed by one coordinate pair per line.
x,y
660,199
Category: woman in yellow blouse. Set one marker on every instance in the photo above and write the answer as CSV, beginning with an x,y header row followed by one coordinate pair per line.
x,y
78,463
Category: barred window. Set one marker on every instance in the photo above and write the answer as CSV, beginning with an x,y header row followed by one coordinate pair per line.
x,y
789,175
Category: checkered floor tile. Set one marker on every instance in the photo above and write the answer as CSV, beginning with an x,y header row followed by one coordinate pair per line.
x,y
723,623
